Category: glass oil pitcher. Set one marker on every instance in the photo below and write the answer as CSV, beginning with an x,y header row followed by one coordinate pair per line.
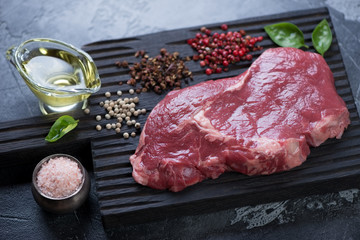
x,y
61,76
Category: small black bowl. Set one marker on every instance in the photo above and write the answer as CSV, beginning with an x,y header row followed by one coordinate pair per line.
x,y
66,204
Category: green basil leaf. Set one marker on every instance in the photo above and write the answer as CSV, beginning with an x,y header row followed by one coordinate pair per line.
x,y
322,37
62,125
286,35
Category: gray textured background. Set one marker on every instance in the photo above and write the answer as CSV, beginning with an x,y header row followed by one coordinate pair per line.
x,y
330,216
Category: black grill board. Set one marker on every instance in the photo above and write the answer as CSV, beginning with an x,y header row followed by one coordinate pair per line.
x,y
122,200
333,166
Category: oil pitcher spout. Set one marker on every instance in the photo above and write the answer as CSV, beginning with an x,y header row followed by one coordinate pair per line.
x,y
10,53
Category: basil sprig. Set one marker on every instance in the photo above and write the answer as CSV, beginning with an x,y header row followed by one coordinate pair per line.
x,y
289,35
322,37
61,126
286,35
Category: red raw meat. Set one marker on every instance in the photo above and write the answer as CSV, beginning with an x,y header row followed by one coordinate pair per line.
x,y
260,122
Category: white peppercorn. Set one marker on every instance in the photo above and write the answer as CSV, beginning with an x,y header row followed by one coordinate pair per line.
x,y
121,109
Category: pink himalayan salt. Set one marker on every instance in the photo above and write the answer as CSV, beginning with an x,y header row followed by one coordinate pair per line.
x,y
59,177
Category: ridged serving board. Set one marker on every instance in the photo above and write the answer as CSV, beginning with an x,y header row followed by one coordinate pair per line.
x,y
333,166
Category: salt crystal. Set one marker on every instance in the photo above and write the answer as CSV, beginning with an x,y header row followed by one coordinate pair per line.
x,y
59,177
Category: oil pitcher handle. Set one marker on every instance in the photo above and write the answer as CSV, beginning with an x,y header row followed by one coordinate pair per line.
x,y
10,54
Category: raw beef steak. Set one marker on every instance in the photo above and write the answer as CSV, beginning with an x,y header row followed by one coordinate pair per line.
x,y
260,122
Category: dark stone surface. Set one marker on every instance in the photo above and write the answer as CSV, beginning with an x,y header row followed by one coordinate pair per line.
x,y
328,216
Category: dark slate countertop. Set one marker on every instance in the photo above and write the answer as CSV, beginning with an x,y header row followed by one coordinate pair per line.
x,y
333,215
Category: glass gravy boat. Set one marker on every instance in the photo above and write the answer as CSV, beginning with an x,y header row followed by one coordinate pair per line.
x,y
61,76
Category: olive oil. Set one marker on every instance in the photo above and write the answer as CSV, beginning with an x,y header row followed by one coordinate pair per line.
x,y
59,74
60,79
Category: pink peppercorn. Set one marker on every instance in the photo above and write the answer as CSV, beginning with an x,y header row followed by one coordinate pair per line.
x,y
224,27
249,57
221,49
